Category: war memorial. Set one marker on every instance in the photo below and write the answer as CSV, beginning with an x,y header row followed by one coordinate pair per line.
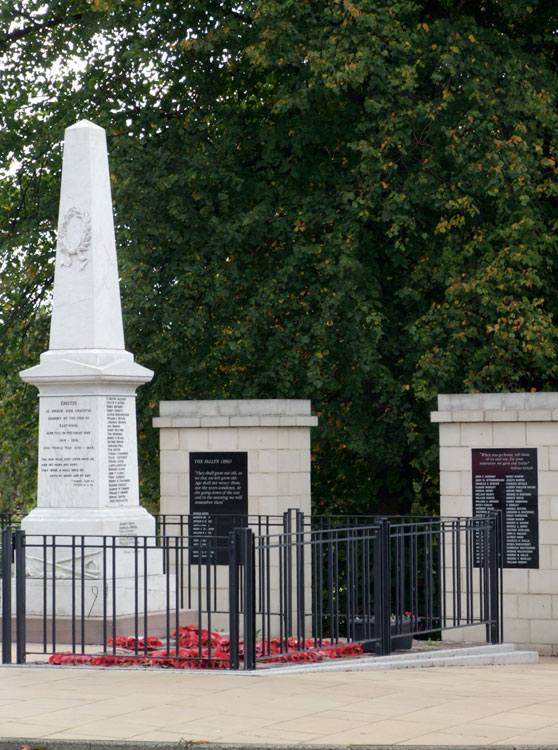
x,y
236,546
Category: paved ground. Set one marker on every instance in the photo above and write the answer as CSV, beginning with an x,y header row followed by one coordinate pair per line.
x,y
507,705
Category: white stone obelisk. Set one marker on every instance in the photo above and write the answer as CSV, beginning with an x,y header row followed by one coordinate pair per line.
x,y
88,468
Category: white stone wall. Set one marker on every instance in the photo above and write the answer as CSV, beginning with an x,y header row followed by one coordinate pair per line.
x,y
511,420
274,432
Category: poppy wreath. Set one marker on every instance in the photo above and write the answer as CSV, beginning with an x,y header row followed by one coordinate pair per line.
x,y
130,643
200,649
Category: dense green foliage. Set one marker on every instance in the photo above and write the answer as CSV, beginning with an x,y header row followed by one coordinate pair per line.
x,y
349,201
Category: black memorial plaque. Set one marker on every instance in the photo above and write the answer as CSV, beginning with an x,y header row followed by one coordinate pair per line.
x,y
505,479
218,503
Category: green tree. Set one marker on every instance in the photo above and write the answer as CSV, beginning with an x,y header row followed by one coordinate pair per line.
x,y
353,202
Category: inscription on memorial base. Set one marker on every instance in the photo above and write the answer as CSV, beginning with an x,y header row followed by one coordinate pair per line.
x,y
72,432
67,442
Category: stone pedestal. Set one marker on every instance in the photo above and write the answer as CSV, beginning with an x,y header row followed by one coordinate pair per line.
x,y
88,470
501,450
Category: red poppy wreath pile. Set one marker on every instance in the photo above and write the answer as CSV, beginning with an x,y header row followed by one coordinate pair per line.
x,y
200,649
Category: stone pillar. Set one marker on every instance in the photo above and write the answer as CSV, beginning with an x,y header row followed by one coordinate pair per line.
x,y
500,450
274,433
245,457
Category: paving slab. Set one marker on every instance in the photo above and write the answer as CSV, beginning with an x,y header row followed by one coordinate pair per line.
x,y
53,708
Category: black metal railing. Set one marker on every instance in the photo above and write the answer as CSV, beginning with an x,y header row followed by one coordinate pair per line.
x,y
282,586
379,584
9,520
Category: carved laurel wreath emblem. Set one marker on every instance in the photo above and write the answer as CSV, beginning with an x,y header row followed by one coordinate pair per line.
x,y
79,247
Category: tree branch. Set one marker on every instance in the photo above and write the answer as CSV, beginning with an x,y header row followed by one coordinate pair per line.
x,y
17,34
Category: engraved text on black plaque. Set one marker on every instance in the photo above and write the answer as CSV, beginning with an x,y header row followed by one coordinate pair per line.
x,y
505,479
218,502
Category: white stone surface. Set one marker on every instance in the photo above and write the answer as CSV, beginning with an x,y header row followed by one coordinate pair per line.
x,y
509,415
86,303
537,606
543,457
90,557
440,416
473,656
86,335
510,605
455,459
479,435
450,483
490,407
270,420
516,581
119,593
275,434
278,449
236,407
450,434
74,470
468,415
545,555
88,470
542,433
512,420
456,506
534,415
134,521
509,435
497,401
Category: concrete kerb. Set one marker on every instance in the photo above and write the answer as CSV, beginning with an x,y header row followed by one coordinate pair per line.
x,y
32,744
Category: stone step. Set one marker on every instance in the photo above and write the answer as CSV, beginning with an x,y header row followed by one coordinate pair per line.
x,y
468,656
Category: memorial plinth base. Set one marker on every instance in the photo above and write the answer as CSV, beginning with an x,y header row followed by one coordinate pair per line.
x,y
122,596
89,522
67,630
104,579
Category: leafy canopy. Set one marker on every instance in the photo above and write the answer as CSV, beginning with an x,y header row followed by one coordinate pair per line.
x,y
352,202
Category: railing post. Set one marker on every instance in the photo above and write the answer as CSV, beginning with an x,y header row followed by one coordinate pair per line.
x,y
20,595
287,574
6,595
301,630
241,561
234,544
247,558
382,588
494,574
